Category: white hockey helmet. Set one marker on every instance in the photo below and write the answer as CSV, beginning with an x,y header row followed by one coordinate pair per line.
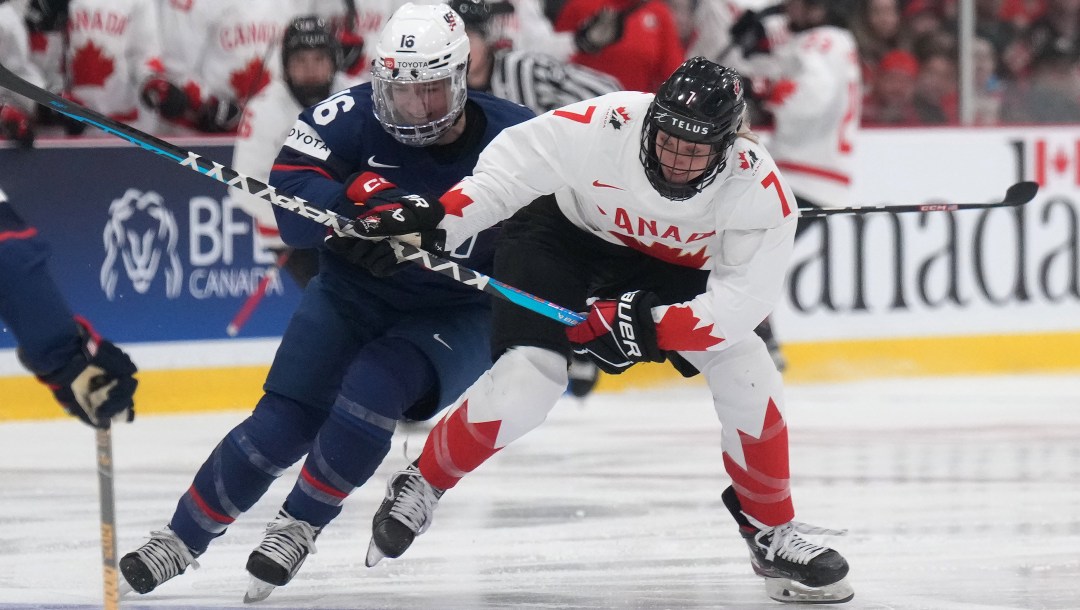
x,y
418,73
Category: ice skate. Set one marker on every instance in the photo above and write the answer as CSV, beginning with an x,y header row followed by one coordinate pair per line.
x,y
583,374
163,557
764,330
795,570
404,514
283,549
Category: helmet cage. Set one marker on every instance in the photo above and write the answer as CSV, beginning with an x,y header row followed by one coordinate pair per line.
x,y
390,89
701,102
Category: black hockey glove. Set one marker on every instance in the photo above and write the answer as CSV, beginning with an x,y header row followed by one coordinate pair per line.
x,y
748,33
375,255
216,115
169,100
97,385
619,333
386,209
600,31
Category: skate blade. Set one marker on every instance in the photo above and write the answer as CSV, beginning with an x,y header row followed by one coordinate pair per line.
x,y
123,588
374,555
257,591
789,591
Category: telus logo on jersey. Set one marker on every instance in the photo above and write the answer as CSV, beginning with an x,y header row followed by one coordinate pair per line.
x,y
140,238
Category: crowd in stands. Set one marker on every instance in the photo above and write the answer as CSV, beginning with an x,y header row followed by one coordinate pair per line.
x,y
1026,57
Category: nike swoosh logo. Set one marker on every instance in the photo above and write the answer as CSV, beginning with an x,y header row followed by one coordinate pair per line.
x,y
599,184
439,339
373,163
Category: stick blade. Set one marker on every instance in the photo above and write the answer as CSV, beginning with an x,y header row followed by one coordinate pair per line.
x,y
1021,193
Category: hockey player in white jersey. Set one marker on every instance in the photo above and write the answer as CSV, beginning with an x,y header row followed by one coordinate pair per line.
x,y
114,55
224,52
16,113
309,57
669,213
812,86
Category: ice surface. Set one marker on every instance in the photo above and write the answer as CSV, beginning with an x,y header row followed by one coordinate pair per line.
x,y
959,494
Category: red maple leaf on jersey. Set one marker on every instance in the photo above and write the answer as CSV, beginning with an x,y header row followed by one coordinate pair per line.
x,y
675,256
678,330
90,66
781,91
249,81
454,201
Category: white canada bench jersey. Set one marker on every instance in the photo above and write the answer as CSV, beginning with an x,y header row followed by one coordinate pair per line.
x,y
817,107
740,228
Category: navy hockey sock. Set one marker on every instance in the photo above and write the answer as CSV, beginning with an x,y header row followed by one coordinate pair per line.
x,y
387,378
242,467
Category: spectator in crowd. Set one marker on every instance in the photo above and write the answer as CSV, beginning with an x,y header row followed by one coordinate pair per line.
x,y
1050,96
988,87
636,41
936,90
890,102
877,29
1021,13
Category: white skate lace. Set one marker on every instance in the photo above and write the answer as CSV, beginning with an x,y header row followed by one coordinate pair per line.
x,y
166,555
416,501
288,540
788,544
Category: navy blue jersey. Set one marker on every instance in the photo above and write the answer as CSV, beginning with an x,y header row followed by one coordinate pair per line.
x,y
30,303
340,137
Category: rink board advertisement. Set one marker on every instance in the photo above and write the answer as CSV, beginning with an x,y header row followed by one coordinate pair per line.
x,y
161,260
976,272
148,251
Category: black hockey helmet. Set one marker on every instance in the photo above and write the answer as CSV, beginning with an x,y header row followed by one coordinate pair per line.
x,y
701,102
309,32
477,14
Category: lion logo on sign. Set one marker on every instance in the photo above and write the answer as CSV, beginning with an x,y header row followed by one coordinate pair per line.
x,y
141,233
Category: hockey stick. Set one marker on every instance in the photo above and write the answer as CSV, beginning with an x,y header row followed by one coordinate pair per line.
x,y
230,177
110,577
256,297
1017,194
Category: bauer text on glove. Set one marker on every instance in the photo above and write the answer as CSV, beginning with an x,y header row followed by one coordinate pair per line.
x,y
618,332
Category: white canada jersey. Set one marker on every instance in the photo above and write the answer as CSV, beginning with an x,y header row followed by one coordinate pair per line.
x,y
15,49
817,108
740,228
113,47
263,129
226,48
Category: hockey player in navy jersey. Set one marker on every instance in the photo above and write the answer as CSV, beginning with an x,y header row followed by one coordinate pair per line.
x,y
89,376
373,341
669,212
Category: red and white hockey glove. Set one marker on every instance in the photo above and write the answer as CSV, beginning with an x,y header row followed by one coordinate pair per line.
x,y
98,384
16,125
619,332
384,209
